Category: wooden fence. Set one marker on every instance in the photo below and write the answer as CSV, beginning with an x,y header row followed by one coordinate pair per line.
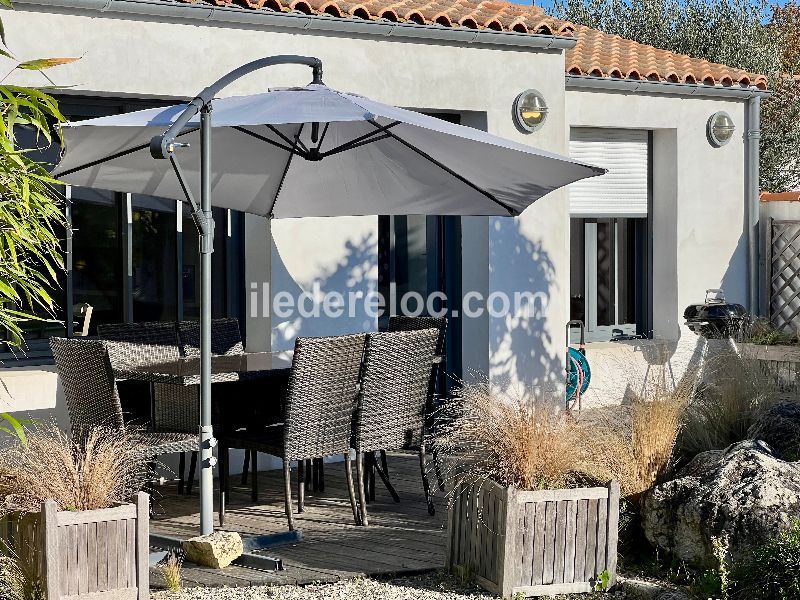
x,y
534,543
86,555
783,268
781,362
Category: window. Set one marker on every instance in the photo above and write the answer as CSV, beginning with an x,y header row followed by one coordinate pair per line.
x,y
610,235
608,276
97,260
134,258
154,259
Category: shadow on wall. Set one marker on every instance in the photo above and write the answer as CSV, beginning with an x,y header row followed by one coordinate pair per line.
x,y
521,350
356,273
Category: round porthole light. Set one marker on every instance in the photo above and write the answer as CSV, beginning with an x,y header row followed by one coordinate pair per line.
x,y
530,110
720,129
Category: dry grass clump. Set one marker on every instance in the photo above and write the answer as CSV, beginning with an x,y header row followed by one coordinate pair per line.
x,y
729,401
493,434
171,569
108,468
635,444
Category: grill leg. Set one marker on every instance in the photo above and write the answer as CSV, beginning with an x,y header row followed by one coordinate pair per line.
x,y
192,469
181,471
348,468
322,474
362,499
301,485
287,490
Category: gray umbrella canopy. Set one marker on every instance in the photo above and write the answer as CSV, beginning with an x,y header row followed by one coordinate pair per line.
x,y
314,151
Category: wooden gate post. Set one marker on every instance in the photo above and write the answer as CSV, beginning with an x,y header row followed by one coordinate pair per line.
x,y
49,535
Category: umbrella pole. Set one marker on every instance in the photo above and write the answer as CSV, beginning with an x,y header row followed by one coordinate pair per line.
x,y
207,441
162,147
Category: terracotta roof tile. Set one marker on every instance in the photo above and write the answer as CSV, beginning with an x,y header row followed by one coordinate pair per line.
x,y
602,54
596,54
781,196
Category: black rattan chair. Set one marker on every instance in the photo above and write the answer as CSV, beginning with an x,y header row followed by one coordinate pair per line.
x,y
226,339
320,402
174,408
92,399
392,403
403,323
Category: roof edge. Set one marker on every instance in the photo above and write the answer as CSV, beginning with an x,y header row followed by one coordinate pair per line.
x,y
793,196
295,20
609,84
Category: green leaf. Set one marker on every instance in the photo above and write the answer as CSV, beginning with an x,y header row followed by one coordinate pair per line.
x,y
15,427
40,64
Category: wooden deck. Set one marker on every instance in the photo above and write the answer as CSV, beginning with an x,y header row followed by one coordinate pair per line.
x,y
401,537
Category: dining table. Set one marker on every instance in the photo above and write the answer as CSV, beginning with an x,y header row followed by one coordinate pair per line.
x,y
185,370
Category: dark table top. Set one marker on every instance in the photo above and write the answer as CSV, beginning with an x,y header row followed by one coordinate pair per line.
x,y
186,370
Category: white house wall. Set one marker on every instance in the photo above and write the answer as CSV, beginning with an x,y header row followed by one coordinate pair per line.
x,y
149,58
699,237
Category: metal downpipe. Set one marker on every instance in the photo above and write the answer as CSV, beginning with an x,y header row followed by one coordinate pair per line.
x,y
752,199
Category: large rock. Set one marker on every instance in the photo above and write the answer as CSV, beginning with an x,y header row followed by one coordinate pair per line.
x,y
779,426
216,550
743,492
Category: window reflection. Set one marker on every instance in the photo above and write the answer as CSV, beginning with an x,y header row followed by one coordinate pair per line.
x,y
190,277
97,255
154,260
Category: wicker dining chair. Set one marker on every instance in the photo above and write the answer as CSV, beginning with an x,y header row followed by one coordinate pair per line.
x,y
404,323
87,379
175,408
320,401
392,402
226,339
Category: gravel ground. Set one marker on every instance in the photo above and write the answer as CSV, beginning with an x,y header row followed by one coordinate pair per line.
x,y
430,586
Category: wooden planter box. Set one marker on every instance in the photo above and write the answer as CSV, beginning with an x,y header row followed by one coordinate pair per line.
x,y
87,555
783,362
533,543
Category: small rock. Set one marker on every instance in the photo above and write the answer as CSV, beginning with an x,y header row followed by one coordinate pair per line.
x,y
639,589
216,550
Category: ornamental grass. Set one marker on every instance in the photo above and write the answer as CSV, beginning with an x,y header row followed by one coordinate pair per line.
x,y
492,433
489,433
106,470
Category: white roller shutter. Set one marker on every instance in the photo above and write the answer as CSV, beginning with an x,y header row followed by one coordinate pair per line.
x,y
622,192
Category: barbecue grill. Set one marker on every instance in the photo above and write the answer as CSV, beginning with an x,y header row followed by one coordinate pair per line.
x,y
716,318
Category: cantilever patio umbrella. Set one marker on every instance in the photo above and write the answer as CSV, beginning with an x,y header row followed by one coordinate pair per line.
x,y
302,152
